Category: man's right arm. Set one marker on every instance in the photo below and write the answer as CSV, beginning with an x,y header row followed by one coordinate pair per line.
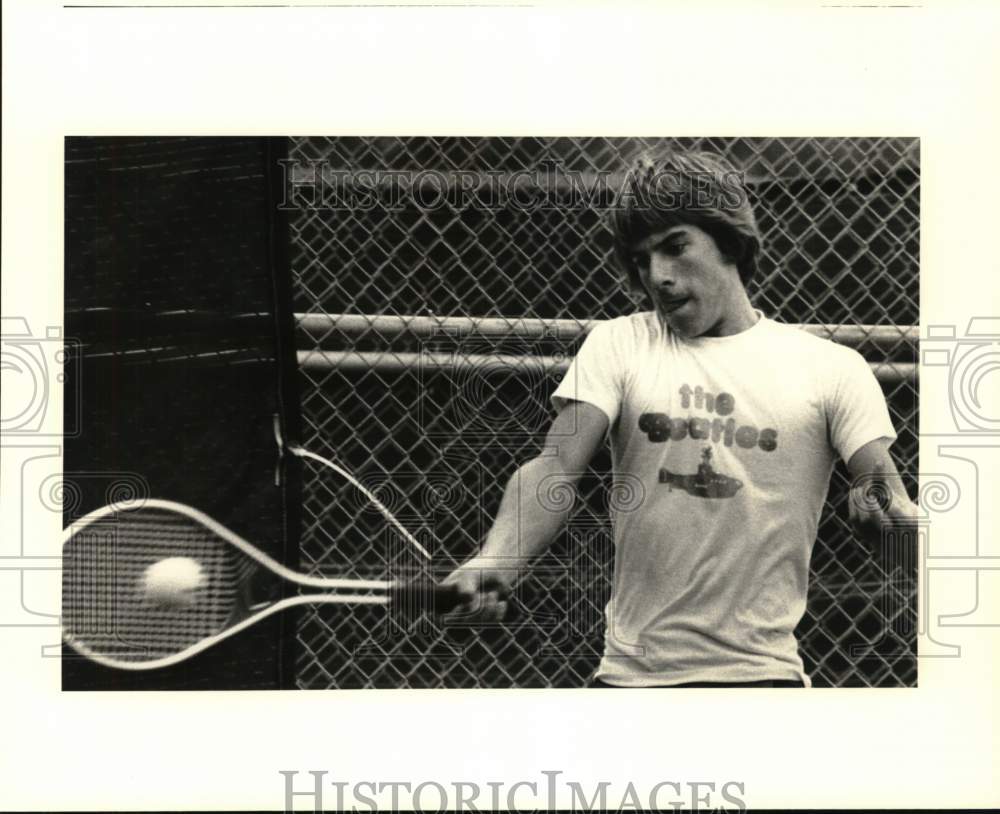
x,y
535,505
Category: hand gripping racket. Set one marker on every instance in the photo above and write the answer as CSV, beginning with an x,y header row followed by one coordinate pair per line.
x,y
150,585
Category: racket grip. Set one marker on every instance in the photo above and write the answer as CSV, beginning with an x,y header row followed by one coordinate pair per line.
x,y
420,595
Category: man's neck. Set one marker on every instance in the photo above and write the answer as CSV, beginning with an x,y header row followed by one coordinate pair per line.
x,y
739,318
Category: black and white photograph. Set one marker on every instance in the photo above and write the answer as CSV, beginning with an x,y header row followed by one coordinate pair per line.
x,y
491,412
510,406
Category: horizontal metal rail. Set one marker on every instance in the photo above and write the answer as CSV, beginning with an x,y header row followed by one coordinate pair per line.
x,y
395,362
319,327
180,328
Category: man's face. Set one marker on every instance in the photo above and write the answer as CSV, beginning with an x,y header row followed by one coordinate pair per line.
x,y
694,287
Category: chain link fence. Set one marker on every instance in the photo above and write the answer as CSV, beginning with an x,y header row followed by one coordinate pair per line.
x,y
441,286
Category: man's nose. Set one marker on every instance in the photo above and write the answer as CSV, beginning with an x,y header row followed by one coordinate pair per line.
x,y
662,271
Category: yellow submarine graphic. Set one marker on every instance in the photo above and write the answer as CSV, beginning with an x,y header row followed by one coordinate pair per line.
x,y
705,483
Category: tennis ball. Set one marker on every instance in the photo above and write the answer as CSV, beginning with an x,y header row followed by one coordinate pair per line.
x,y
171,583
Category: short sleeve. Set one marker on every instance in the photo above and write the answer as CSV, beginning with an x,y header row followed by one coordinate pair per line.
x,y
597,373
856,408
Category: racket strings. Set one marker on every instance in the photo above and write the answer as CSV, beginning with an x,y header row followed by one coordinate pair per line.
x,y
108,606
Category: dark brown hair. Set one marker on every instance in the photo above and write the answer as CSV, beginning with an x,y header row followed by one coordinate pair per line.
x,y
697,188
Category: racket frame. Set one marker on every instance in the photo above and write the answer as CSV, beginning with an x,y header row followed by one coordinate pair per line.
x,y
338,590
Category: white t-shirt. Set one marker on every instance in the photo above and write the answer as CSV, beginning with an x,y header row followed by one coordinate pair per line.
x,y
728,444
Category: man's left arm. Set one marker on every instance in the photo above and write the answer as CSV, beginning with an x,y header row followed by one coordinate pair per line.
x,y
878,498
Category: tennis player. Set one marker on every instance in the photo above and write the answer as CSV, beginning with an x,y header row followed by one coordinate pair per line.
x,y
727,423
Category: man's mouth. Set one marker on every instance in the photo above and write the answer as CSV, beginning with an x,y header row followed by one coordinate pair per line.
x,y
669,306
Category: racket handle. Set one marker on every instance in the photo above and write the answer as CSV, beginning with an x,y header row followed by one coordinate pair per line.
x,y
424,595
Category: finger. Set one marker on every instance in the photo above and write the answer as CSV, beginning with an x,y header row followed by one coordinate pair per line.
x,y
465,611
489,607
494,609
467,599
464,582
491,600
499,588
501,610
478,605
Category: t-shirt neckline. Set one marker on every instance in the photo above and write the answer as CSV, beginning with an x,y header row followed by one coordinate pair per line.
x,y
749,333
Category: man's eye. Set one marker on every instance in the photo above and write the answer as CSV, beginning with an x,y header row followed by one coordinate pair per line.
x,y
674,248
640,260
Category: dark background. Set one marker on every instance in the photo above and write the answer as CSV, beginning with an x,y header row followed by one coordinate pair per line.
x,y
171,292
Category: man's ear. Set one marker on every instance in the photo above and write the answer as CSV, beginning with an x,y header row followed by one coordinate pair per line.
x,y
731,250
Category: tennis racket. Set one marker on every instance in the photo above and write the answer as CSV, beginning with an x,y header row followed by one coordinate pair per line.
x,y
150,585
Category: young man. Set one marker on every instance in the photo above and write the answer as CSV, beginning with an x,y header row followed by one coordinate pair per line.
x,y
728,422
